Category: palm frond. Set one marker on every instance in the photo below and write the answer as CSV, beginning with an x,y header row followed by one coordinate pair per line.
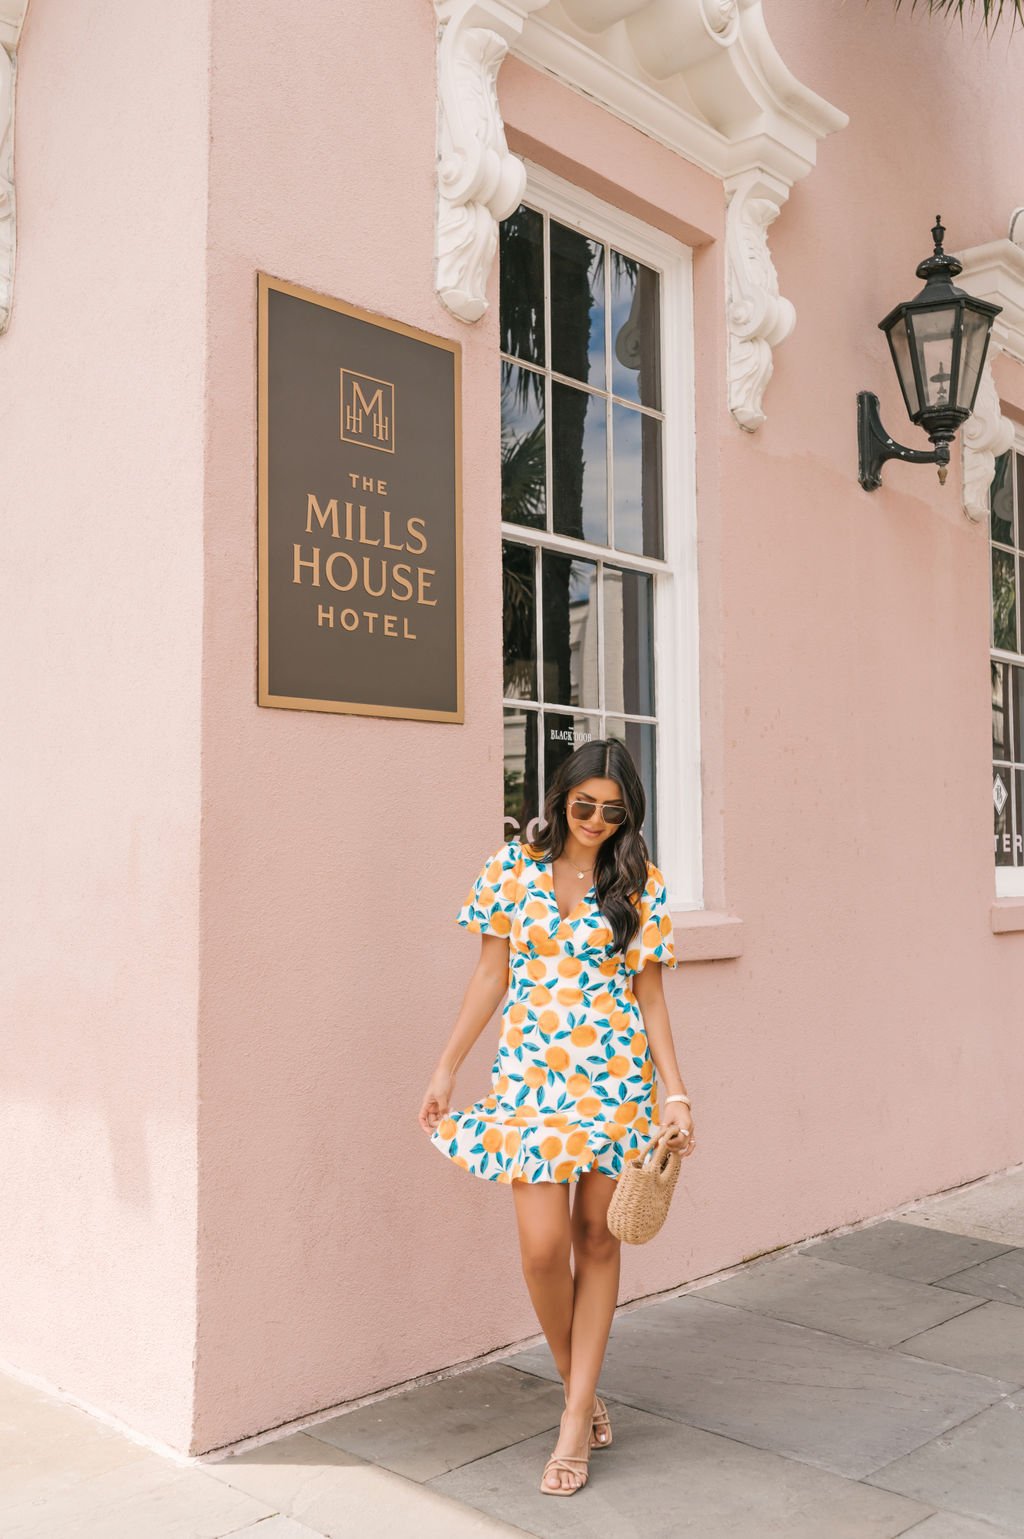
x,y
990,11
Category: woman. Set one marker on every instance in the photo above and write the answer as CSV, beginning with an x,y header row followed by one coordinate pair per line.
x,y
583,1029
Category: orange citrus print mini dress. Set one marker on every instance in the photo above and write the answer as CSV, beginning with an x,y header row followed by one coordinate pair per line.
x,y
572,1086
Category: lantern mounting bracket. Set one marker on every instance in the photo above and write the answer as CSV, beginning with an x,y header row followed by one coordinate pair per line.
x,y
876,446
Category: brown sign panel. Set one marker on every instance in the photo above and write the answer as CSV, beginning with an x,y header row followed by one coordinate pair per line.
x,y
360,521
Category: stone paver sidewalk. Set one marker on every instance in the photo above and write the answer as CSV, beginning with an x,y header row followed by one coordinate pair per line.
x,y
861,1386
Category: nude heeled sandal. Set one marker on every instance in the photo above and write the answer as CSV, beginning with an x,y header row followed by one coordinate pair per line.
x,y
600,1424
574,1463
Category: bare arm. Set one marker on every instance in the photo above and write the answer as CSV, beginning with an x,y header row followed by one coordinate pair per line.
x,y
484,992
650,996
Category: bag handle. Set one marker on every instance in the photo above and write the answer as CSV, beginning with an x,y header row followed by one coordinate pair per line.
x,y
654,1148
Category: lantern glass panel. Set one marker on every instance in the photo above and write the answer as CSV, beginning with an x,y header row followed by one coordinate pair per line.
x,y
933,346
900,345
972,351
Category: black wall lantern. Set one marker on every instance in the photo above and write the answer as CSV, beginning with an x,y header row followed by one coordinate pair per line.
x,y
938,342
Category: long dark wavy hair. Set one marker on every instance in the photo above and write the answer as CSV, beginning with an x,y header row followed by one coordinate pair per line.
x,y
620,871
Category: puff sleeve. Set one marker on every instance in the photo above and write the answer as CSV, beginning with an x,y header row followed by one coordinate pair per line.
x,y
491,901
655,940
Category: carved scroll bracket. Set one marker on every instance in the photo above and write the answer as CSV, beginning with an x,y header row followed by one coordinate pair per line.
x,y
479,180
758,318
12,16
993,271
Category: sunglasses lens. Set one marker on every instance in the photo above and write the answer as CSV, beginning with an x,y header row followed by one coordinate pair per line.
x,y
585,810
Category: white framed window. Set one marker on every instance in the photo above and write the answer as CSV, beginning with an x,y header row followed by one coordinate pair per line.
x,y
1006,534
599,537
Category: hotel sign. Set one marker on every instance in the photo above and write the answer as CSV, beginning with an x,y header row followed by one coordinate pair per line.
x,y
360,522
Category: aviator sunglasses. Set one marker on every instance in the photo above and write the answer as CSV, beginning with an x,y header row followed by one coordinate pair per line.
x,y
584,810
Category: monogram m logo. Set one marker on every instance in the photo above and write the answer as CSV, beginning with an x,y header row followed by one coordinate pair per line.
x,y
368,411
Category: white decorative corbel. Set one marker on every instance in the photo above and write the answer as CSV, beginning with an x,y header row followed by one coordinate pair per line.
x,y
758,318
12,15
479,180
993,271
985,435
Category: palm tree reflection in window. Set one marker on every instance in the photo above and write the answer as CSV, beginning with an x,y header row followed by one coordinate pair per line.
x,y
598,335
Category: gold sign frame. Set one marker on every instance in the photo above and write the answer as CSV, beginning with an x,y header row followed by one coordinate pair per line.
x,y
267,284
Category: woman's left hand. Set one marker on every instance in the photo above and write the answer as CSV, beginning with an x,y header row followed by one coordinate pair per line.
x,y
677,1116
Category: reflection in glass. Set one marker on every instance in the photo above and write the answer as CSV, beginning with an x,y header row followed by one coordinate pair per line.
x,y
639,739
636,457
577,305
562,734
521,284
1018,816
973,345
579,474
1000,710
569,589
521,771
933,348
628,641
1002,500
523,461
1002,807
1004,601
1016,688
636,331
519,615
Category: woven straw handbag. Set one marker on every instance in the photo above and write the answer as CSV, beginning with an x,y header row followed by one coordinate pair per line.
x,y
643,1191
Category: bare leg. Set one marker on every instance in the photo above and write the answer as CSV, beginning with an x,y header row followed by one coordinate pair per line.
x,y
597,1254
545,1244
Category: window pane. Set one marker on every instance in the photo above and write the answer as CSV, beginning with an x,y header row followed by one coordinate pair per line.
x,y
521,771
519,620
1000,710
521,284
636,331
1002,500
562,734
1016,689
1004,601
569,590
639,739
628,641
523,461
577,305
1018,812
1002,807
636,447
579,463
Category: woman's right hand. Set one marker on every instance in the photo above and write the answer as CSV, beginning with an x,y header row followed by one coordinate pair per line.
x,y
437,1099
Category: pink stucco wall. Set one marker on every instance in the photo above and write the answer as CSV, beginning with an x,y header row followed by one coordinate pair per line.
x,y
101,405
845,728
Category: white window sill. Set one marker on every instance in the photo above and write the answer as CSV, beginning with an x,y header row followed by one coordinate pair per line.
x,y
1007,915
707,935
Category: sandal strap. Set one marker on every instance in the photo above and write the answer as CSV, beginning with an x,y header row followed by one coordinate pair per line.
x,y
566,1461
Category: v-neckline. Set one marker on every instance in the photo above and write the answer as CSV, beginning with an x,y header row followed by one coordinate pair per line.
x,y
549,888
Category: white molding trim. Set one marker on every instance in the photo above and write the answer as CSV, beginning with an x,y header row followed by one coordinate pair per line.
x,y
700,76
12,16
993,271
